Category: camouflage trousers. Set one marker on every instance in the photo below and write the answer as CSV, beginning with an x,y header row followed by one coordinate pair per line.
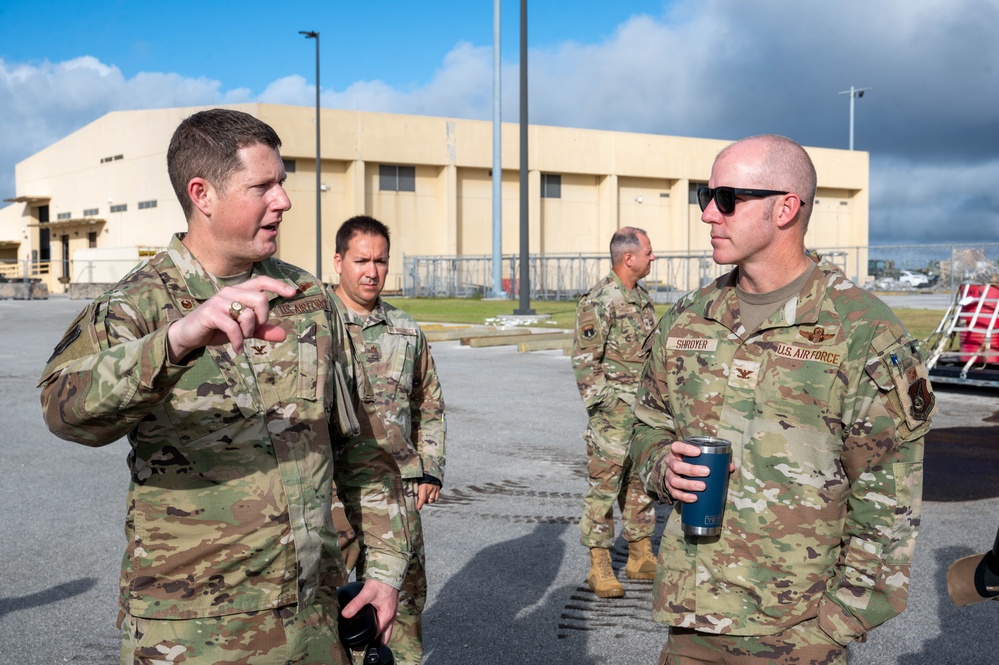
x,y
267,637
803,643
407,631
612,481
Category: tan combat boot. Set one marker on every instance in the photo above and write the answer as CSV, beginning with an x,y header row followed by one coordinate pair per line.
x,y
601,579
641,564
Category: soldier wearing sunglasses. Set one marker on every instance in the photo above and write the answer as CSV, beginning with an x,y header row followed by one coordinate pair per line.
x,y
825,398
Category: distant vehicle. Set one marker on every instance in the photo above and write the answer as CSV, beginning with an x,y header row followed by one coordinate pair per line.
x,y
914,278
878,268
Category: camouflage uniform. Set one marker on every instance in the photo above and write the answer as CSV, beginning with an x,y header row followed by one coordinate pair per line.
x,y
231,462
401,441
611,324
826,407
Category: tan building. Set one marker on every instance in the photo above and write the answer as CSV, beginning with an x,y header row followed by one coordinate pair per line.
x,y
90,205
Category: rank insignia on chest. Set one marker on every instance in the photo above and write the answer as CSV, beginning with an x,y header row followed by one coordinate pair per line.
x,y
186,304
588,332
816,335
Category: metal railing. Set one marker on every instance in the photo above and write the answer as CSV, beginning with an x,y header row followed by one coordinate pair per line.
x,y
566,276
13,270
553,276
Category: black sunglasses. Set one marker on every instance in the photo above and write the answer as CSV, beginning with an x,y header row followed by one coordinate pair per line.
x,y
725,197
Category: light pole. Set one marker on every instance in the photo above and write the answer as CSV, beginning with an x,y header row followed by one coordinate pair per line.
x,y
497,159
319,203
854,94
525,247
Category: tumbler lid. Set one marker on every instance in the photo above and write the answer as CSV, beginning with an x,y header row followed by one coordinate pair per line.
x,y
709,444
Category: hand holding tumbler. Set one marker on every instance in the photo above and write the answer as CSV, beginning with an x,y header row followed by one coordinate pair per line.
x,y
704,516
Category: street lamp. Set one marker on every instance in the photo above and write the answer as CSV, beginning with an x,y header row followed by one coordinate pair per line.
x,y
319,214
854,93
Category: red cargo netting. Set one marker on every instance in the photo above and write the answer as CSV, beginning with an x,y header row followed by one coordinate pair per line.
x,y
979,332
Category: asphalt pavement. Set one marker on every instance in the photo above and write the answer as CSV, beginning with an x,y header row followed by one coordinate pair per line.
x,y
506,571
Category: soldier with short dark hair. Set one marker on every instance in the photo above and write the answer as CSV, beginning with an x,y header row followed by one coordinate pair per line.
x,y
612,321
825,399
221,365
400,449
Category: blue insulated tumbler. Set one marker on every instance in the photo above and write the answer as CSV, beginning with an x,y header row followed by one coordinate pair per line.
x,y
704,516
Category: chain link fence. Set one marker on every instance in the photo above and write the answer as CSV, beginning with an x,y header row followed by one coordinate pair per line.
x,y
565,277
552,277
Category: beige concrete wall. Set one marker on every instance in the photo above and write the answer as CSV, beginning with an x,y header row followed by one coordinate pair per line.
x,y
609,180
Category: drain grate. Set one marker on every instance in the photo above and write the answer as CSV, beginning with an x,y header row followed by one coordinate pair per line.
x,y
472,493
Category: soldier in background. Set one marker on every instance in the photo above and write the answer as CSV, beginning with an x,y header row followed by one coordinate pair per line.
x,y
612,321
400,449
221,364
825,399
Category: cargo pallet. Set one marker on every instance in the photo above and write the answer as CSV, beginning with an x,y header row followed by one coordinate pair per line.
x,y
971,325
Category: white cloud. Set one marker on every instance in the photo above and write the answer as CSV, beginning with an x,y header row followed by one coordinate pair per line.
x,y
41,103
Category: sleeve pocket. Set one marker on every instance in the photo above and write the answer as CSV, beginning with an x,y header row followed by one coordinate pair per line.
x,y
908,499
308,360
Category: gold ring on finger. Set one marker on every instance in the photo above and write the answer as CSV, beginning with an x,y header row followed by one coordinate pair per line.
x,y
235,309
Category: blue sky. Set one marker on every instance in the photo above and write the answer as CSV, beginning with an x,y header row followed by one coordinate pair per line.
x,y
399,43
705,68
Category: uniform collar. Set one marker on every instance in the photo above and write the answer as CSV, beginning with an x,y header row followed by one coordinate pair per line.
x,y
802,308
631,295
376,317
202,286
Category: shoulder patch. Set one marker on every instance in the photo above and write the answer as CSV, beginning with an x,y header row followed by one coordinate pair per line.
x,y
68,339
901,372
589,332
79,340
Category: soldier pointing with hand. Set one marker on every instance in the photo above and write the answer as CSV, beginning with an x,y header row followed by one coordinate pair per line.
x,y
221,366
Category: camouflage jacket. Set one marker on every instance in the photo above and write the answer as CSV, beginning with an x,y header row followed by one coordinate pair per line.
x,y
826,407
402,419
231,459
611,324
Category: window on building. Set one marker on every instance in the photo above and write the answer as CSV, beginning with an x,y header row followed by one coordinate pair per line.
x,y
65,256
64,215
44,244
121,207
91,212
145,205
694,186
92,239
393,178
289,165
551,186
